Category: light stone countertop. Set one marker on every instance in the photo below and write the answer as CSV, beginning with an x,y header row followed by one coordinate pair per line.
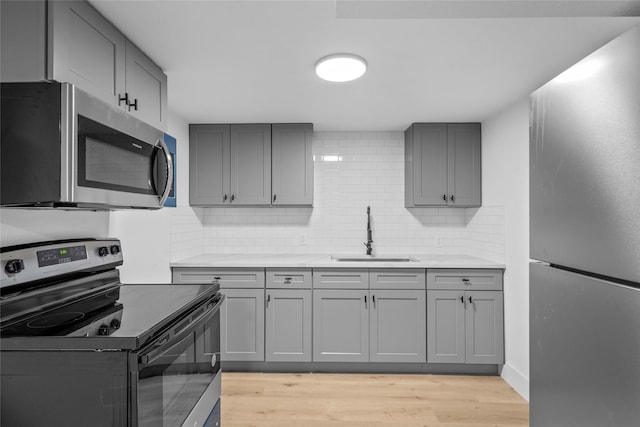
x,y
325,261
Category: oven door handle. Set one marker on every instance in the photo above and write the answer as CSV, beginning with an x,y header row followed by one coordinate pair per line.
x,y
178,333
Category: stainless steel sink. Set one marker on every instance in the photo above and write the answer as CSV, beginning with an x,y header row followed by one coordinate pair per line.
x,y
371,258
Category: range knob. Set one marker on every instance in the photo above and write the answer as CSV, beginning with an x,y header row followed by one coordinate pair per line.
x,y
115,323
115,249
14,266
104,330
103,251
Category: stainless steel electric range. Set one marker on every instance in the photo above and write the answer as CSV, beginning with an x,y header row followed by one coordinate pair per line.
x,y
78,348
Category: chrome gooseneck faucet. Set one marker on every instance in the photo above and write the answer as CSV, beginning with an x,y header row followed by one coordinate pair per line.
x,y
369,239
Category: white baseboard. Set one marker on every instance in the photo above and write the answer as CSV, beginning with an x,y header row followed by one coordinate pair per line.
x,y
516,380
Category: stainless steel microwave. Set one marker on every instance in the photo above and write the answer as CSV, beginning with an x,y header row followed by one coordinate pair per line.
x,y
61,147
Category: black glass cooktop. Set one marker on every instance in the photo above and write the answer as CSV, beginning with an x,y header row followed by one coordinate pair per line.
x,y
122,317
92,315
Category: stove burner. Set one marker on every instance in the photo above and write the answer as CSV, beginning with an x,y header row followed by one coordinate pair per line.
x,y
56,319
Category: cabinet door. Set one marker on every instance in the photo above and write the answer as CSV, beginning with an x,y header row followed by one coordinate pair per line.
x,y
250,165
463,164
242,325
292,164
146,86
340,326
86,50
484,327
430,164
288,325
209,164
445,327
23,40
398,326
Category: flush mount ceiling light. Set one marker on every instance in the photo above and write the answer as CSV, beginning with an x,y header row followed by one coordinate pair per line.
x,y
341,67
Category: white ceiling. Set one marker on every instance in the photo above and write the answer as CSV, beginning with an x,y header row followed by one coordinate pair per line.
x,y
252,61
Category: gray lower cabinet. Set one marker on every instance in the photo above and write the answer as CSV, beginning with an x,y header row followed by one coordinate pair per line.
x,y
288,325
465,327
442,164
242,325
363,326
340,325
292,164
398,326
229,165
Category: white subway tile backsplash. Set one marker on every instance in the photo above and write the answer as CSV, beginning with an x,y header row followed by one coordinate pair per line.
x,y
352,170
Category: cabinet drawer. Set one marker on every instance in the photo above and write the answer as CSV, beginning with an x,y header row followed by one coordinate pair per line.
x,y
465,279
340,279
228,278
291,278
397,279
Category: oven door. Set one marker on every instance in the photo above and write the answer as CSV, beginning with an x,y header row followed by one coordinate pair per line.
x,y
117,160
177,376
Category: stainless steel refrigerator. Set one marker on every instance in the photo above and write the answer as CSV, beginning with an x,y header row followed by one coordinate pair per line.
x,y
585,236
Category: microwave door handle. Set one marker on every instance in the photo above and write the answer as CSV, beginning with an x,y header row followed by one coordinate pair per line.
x,y
167,188
162,345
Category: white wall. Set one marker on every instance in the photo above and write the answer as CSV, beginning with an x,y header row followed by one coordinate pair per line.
x,y
149,237
29,225
505,176
353,170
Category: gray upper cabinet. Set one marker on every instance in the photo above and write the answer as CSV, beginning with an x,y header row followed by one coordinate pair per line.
x,y
69,41
442,164
292,164
146,85
229,165
209,163
87,50
426,165
464,181
250,168
340,325
398,326
250,165
23,40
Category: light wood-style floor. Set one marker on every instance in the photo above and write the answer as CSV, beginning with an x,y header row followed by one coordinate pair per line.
x,y
310,400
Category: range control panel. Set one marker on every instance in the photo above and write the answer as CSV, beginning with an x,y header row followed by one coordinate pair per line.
x,y
37,261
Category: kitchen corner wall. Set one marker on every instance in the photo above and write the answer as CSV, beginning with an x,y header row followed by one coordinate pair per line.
x,y
505,176
352,170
